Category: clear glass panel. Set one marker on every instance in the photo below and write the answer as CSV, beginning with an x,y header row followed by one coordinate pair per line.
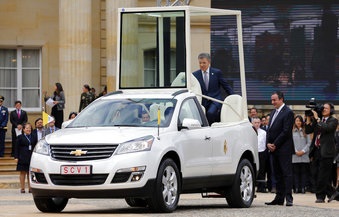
x,y
30,78
152,50
126,112
30,58
31,98
8,58
8,78
189,110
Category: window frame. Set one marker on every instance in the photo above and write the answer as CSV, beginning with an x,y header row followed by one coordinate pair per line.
x,y
19,79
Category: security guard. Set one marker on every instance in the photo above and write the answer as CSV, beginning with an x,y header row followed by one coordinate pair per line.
x,y
3,125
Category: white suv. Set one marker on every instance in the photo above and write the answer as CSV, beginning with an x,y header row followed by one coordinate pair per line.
x,y
110,151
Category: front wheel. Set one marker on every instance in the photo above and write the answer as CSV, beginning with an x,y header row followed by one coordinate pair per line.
x,y
53,204
166,192
242,193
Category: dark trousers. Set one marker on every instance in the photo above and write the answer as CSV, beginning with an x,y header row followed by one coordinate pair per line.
x,y
300,175
282,164
262,170
323,170
213,113
58,115
271,181
2,142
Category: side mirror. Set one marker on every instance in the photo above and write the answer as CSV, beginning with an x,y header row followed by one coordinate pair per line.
x,y
189,123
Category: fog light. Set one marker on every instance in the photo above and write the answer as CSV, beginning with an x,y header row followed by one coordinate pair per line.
x,y
136,176
33,178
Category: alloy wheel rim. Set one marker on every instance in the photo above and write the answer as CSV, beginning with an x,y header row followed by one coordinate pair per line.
x,y
170,185
246,183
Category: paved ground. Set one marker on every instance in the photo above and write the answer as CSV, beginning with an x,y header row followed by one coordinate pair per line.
x,y
15,204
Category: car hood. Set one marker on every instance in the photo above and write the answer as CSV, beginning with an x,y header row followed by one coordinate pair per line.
x,y
98,135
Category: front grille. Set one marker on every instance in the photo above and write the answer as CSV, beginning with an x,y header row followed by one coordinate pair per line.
x,y
82,152
77,180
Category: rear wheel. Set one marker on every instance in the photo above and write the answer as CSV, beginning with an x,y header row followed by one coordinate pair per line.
x,y
242,193
136,202
53,204
167,188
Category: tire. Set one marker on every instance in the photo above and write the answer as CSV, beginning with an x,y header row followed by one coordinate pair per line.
x,y
54,204
241,194
167,188
136,202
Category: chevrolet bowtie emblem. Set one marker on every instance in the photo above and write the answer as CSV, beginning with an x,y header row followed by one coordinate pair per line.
x,y
78,152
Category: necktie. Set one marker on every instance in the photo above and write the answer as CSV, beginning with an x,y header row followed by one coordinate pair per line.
x,y
317,139
52,130
274,116
206,80
18,113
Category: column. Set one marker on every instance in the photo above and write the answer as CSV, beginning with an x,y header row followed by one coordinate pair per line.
x,y
75,52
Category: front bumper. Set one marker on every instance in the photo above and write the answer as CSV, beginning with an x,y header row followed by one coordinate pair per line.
x,y
143,192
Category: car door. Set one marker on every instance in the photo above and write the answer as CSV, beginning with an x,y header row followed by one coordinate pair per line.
x,y
194,144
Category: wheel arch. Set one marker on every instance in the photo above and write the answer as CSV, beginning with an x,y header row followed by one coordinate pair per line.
x,y
249,156
174,156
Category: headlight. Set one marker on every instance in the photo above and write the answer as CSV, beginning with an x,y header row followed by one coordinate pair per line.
x,y
141,144
42,147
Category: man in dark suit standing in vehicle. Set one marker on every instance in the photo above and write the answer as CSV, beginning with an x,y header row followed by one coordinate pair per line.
x,y
279,142
210,80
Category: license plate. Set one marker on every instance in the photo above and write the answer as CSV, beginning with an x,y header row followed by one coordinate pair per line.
x,y
76,170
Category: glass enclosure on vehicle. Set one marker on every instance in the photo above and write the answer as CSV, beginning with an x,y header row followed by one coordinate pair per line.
x,y
152,49
126,112
155,49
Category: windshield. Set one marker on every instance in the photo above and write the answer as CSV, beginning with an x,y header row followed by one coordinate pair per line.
x,y
126,112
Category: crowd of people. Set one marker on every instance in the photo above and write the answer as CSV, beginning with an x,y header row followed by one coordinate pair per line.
x,y
297,153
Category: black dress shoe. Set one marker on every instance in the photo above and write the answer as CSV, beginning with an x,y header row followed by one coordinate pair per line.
x,y
334,195
275,202
320,201
289,203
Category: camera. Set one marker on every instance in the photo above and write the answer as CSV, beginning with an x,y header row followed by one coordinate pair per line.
x,y
313,105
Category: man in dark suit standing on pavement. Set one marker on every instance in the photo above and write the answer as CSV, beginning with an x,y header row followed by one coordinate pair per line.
x,y
279,142
210,80
322,150
18,118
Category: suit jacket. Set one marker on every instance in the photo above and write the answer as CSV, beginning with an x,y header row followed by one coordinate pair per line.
x,y
15,120
280,132
24,148
327,137
214,83
3,117
35,133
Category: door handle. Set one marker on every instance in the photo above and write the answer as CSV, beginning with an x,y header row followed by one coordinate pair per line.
x,y
207,138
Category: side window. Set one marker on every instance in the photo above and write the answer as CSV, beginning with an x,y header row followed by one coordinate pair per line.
x,y
189,110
